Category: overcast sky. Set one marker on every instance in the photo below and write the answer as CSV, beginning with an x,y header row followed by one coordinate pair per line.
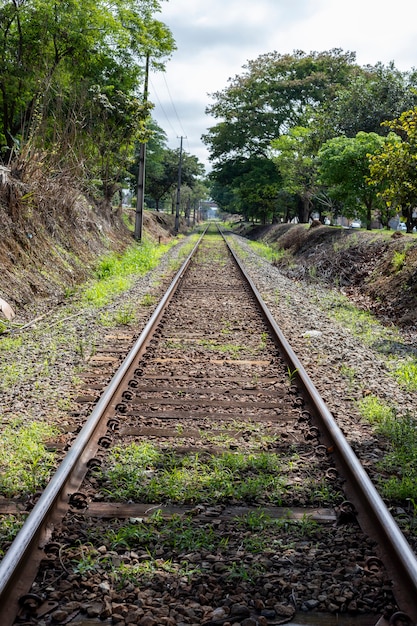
x,y
215,38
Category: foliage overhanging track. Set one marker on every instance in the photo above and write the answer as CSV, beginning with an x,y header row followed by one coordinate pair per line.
x,y
120,404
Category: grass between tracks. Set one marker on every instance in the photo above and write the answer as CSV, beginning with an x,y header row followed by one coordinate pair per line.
x,y
165,546
141,472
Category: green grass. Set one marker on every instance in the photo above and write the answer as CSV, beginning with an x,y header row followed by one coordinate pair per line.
x,y
230,349
266,252
375,411
115,273
148,300
398,260
25,463
362,323
405,372
9,527
9,344
400,462
123,317
177,533
141,473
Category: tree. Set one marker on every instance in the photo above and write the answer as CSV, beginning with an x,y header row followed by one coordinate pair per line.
x,y
374,94
344,169
394,167
273,94
247,186
71,78
295,159
162,174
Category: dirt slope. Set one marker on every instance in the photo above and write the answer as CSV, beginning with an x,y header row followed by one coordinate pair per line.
x,y
378,269
51,237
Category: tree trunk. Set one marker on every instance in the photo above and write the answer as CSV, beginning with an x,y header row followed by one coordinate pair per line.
x,y
304,209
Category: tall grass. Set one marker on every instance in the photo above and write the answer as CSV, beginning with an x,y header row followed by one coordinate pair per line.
x,y
25,464
115,273
400,462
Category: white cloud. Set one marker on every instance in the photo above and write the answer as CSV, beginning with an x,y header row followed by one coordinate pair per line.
x,y
216,38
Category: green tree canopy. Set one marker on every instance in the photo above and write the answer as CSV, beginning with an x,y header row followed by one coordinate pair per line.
x,y
344,164
71,76
295,158
274,93
248,186
374,94
162,173
394,167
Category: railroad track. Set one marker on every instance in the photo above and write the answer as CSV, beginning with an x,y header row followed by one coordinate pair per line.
x,y
209,485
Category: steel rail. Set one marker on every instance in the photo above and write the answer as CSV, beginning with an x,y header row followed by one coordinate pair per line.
x,y
30,534
403,567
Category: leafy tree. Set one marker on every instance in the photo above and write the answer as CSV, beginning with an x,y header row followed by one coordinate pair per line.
x,y
247,186
374,94
70,78
162,174
344,169
295,159
274,93
394,167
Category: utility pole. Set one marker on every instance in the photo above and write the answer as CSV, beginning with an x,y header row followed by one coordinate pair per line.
x,y
177,210
140,200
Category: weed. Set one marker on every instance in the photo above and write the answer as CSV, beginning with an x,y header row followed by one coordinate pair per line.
x,y
401,460
263,342
398,260
291,374
114,273
10,344
25,463
9,527
69,292
254,520
103,291
123,317
87,564
349,373
405,373
266,251
148,300
243,572
140,472
227,348
375,411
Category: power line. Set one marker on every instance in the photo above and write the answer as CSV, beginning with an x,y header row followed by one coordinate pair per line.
x,y
173,106
162,109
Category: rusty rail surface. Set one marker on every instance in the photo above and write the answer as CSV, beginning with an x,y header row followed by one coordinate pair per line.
x,y
375,518
27,546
